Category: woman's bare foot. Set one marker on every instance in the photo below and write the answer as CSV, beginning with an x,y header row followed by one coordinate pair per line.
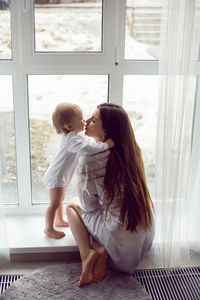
x,y
87,268
61,223
55,234
99,272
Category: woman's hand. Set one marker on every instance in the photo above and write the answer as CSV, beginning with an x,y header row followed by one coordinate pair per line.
x,y
110,143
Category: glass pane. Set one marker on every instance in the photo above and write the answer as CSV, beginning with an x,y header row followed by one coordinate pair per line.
x,y
7,143
140,101
142,29
45,92
5,31
68,25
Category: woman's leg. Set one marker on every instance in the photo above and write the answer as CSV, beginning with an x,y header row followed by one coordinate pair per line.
x,y
59,221
56,196
99,272
88,255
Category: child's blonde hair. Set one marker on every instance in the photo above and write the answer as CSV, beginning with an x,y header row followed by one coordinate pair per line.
x,y
62,115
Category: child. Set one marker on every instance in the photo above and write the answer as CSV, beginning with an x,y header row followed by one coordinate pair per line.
x,y
68,121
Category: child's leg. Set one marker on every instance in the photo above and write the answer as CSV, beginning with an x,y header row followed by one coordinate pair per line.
x,y
59,221
56,196
88,255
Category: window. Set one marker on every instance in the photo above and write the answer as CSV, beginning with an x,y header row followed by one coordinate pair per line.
x,y
45,92
8,173
141,104
5,31
75,26
98,56
142,29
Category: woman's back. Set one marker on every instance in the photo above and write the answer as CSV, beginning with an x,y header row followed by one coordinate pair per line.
x,y
125,248
91,173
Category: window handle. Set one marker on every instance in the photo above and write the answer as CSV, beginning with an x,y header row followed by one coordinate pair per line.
x,y
26,5
116,56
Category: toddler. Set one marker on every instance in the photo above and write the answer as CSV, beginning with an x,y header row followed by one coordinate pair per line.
x,y
68,121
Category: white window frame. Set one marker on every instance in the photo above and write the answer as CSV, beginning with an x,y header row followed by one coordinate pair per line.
x,y
26,62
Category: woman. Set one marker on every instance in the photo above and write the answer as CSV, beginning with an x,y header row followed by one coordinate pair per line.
x,y
116,208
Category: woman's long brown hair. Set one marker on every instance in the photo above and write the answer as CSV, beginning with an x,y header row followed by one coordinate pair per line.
x,y
125,173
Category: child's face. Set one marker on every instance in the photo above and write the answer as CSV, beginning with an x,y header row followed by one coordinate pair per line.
x,y
77,123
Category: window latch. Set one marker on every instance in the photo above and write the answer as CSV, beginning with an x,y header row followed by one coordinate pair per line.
x,y
116,56
26,5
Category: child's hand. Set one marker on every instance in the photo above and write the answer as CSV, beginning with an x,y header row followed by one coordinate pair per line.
x,y
110,143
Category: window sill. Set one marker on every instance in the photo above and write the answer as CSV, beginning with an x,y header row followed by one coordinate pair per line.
x,y
26,235
28,243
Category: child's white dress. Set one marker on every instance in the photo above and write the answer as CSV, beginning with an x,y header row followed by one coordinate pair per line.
x,y
126,249
60,172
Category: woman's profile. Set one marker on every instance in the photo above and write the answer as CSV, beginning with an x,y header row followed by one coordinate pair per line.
x,y
115,220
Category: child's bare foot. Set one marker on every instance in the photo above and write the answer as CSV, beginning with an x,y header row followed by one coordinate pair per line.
x,y
99,272
55,234
87,268
61,223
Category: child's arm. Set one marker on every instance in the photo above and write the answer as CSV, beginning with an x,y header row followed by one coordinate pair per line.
x,y
110,143
78,145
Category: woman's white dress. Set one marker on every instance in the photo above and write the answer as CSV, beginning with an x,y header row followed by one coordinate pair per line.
x,y
126,249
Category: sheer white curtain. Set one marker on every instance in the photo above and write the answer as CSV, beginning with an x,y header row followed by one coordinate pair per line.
x,y
177,203
4,249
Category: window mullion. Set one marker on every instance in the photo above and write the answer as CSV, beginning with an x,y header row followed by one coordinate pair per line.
x,y
22,140
20,106
27,29
116,76
120,30
109,21
116,87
